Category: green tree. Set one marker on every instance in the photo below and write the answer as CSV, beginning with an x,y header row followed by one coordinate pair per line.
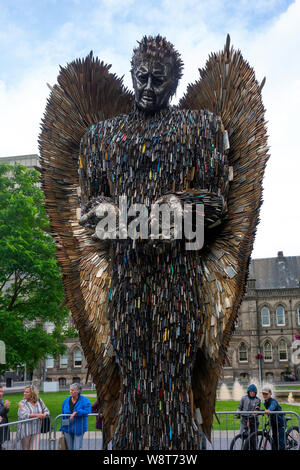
x,y
31,291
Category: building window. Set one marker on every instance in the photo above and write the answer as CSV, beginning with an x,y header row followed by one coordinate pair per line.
x,y
282,348
62,382
243,353
280,316
265,316
77,358
76,380
64,360
268,352
49,363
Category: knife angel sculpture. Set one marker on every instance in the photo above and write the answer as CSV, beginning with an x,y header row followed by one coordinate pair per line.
x,y
154,318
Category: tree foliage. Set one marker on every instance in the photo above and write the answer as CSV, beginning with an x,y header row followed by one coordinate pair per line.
x,y
31,291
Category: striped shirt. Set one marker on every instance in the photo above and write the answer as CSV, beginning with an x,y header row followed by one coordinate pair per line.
x,y
26,429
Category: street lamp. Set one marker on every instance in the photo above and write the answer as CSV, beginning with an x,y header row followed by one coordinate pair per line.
x,y
259,357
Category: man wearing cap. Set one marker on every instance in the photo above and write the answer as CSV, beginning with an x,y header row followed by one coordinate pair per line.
x,y
249,402
277,421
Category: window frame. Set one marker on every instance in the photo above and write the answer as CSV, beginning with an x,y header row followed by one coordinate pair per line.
x,y
246,352
74,358
49,358
64,366
276,313
264,351
282,340
265,325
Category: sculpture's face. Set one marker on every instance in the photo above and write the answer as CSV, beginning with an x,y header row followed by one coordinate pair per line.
x,y
153,85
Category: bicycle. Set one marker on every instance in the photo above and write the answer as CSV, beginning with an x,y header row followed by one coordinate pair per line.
x,y
264,439
292,438
239,440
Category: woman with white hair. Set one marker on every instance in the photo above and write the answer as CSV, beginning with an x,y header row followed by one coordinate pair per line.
x,y
77,407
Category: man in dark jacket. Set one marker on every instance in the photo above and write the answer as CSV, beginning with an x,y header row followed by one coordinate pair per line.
x,y
249,402
4,409
277,421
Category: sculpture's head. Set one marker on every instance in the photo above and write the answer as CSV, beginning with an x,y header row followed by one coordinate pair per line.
x,y
156,68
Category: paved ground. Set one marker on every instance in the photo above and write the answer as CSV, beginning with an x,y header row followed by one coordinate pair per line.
x,y
93,441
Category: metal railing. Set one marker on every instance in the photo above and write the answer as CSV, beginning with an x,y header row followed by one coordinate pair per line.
x,y
260,432
80,433
24,435
248,430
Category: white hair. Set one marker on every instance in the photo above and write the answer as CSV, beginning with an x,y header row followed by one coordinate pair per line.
x,y
78,386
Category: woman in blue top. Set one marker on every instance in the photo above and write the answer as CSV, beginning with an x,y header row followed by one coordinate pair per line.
x,y
75,425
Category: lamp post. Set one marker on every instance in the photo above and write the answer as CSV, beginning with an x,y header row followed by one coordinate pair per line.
x,y
259,357
259,371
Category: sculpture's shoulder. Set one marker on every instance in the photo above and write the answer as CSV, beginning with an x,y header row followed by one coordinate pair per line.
x,y
106,124
197,117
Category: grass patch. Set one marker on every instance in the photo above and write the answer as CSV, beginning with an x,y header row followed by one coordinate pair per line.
x,y
287,387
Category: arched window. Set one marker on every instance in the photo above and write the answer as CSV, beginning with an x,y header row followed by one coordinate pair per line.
x,y
282,349
265,316
77,358
268,351
280,316
243,353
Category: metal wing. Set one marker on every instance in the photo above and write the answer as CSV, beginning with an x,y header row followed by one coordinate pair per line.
x,y
227,87
86,93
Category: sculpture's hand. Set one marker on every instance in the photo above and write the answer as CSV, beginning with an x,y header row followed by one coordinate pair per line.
x,y
170,229
102,216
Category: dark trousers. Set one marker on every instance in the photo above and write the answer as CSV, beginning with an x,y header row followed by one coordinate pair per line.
x,y
278,438
253,427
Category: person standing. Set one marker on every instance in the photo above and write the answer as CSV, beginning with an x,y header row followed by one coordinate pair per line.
x,y
249,402
75,425
277,421
99,419
4,409
31,407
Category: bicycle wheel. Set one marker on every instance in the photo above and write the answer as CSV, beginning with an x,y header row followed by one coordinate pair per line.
x,y
237,442
292,438
258,441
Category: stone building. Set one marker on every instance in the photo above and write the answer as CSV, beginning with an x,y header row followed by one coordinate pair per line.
x,y
30,161
269,318
66,369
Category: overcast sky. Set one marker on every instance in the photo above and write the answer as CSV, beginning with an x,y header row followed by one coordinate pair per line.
x,y
36,36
